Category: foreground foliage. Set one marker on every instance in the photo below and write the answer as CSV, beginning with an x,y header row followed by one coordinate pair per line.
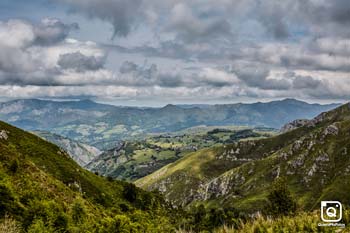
x,y
43,190
301,222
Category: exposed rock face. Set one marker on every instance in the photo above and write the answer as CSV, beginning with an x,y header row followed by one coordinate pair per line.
x,y
294,124
331,130
80,152
4,134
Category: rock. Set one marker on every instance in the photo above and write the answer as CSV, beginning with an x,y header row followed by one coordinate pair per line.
x,y
294,124
321,117
4,134
312,170
297,145
331,130
322,158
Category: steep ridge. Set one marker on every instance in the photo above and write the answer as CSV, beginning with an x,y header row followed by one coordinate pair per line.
x,y
46,191
314,158
80,152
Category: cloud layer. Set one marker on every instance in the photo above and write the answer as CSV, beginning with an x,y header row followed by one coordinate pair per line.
x,y
177,49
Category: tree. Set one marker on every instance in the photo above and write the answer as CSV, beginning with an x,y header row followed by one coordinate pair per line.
x,y
130,192
280,199
14,165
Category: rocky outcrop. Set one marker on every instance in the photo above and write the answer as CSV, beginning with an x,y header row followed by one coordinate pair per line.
x,y
294,124
4,134
331,130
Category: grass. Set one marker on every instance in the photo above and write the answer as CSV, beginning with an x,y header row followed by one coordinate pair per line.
x,y
245,183
9,225
40,185
305,222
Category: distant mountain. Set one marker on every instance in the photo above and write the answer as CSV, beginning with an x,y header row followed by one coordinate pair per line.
x,y
80,152
102,125
44,190
313,156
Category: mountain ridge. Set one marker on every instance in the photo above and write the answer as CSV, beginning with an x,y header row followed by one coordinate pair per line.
x,y
103,125
240,174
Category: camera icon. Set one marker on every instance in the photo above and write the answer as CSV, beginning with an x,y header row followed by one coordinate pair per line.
x,y
331,211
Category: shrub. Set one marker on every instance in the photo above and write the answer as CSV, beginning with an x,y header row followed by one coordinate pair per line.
x,y
38,226
61,222
8,202
280,199
14,165
130,192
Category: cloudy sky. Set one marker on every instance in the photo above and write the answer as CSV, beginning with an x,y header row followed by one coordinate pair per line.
x,y
154,52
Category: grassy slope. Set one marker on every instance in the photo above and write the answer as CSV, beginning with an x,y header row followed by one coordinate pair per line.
x,y
315,172
38,181
139,158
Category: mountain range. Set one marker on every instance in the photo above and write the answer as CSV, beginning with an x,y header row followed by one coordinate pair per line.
x,y
313,157
44,190
102,125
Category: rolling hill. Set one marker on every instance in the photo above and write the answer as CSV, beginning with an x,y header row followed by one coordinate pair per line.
x,y
313,158
44,190
103,125
131,160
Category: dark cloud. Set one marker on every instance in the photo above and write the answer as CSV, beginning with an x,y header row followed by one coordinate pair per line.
x,y
51,31
79,62
128,67
122,14
192,28
136,75
302,82
139,72
273,17
256,76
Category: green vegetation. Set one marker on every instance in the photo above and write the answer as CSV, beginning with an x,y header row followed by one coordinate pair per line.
x,y
101,125
313,159
132,160
280,200
302,222
273,184
43,190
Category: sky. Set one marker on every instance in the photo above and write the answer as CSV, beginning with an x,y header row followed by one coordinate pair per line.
x,y
156,52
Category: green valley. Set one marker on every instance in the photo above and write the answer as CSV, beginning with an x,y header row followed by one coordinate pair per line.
x,y
313,159
131,160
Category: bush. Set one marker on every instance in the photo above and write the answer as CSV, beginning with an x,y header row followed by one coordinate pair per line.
x,y
8,202
280,199
38,226
130,192
14,165
61,222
